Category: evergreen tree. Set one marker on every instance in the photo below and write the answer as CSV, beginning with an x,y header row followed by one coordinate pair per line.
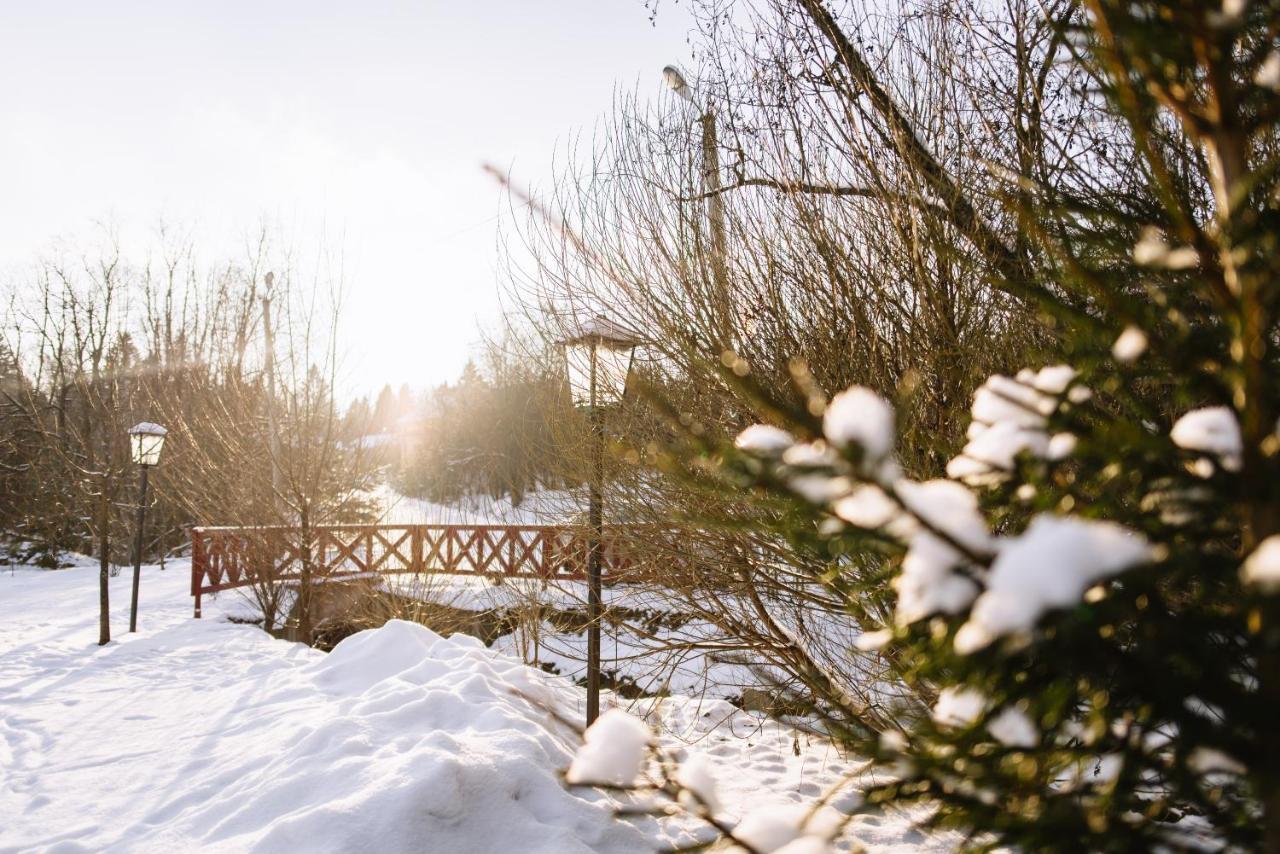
x,y
1086,610
384,411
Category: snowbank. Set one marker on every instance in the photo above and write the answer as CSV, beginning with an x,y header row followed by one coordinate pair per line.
x,y
212,736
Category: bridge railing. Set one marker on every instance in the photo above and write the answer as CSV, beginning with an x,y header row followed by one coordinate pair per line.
x,y
224,558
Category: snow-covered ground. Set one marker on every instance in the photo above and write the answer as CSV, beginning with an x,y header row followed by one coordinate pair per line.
x,y
212,735
538,507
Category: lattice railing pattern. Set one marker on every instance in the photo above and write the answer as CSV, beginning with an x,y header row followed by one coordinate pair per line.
x,y
224,558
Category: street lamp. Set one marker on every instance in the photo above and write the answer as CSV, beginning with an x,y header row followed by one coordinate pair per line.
x,y
146,441
711,190
598,356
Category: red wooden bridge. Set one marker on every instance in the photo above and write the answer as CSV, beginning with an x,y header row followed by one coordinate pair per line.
x,y
225,558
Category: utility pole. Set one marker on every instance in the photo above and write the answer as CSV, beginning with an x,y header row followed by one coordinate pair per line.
x,y
273,438
712,192
715,218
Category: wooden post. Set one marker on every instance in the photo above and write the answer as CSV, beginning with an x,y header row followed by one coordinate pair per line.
x,y
304,585
197,566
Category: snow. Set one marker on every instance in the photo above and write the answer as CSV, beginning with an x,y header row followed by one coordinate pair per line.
x,y
788,830
807,466
538,507
613,752
1050,565
1212,430
811,455
1261,568
764,439
1009,418
805,845
894,741
684,654
928,583
1151,250
213,736
949,508
697,774
972,471
1003,398
1052,379
1206,760
768,830
1130,346
996,448
371,441
859,416
929,517
958,706
209,735
1061,446
872,641
1268,74
867,507
819,488
766,768
1013,728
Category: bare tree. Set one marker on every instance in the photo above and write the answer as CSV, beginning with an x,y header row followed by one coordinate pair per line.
x,y
865,229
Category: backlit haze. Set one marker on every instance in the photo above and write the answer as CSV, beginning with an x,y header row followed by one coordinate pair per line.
x,y
359,127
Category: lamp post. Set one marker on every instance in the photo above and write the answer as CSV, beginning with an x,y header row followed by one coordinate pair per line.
x,y
145,440
598,357
711,189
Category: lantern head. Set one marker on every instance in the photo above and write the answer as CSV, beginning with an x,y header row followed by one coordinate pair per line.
x,y
598,355
146,440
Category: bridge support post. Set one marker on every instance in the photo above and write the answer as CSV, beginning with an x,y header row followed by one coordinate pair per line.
x,y
197,566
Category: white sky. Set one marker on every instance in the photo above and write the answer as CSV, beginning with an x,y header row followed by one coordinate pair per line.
x,y
362,124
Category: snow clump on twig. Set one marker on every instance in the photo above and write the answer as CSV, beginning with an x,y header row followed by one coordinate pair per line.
x,y
1010,417
764,440
1213,430
1050,565
1131,344
1261,569
613,752
789,829
859,416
